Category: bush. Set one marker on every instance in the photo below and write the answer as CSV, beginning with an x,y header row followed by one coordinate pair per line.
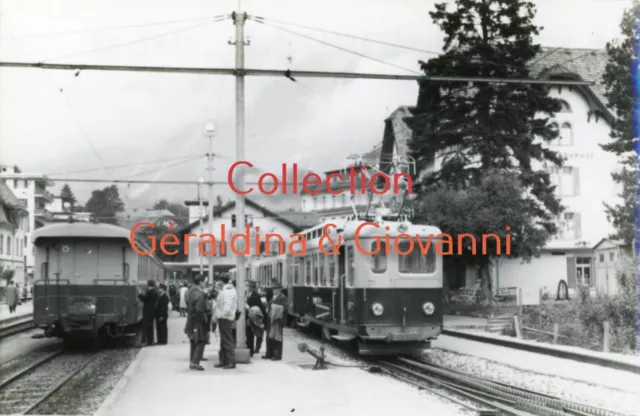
x,y
581,320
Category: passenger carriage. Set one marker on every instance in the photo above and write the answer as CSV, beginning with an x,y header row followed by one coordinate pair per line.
x,y
87,278
387,303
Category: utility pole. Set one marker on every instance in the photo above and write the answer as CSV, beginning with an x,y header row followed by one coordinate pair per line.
x,y
239,17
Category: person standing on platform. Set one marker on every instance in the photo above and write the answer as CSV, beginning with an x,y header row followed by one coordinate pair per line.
x,y
149,301
278,312
255,328
11,293
268,295
195,327
226,308
183,299
209,297
162,314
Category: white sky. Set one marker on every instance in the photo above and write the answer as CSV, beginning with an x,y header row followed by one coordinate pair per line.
x,y
139,117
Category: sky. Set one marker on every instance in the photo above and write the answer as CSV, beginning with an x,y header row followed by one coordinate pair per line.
x,y
57,123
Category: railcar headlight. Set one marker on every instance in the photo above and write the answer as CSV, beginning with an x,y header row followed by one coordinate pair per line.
x,y
428,308
403,228
377,309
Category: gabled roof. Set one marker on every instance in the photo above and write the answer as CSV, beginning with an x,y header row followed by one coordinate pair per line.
x,y
266,212
81,229
618,243
302,220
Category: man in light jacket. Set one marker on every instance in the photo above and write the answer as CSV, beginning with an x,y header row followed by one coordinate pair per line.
x,y
226,308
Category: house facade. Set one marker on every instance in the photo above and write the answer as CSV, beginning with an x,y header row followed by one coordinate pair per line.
x,y
261,221
31,191
13,227
583,184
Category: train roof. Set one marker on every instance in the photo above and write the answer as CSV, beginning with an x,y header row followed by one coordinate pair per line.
x,y
81,229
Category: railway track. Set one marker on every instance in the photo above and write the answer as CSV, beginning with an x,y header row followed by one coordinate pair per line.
x,y
494,397
24,391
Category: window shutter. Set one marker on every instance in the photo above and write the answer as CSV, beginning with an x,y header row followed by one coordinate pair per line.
x,y
577,225
576,181
571,272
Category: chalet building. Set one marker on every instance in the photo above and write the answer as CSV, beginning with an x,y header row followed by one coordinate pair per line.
x,y
260,220
582,184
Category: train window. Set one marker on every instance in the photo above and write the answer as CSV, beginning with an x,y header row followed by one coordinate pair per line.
x,y
379,260
332,270
307,274
280,272
321,269
414,262
296,271
351,274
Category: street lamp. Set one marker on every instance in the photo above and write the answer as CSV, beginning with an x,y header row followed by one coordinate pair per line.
x,y
210,131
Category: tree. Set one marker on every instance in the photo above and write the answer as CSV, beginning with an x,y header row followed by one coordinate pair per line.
x,y
180,211
480,211
105,204
67,195
489,127
618,83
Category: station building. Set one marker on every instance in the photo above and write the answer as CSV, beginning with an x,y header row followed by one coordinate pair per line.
x,y
580,253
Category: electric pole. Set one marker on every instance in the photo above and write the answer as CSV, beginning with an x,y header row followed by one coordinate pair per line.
x,y
201,215
239,17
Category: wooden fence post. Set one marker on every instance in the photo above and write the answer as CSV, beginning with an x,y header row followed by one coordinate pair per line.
x,y
607,337
519,301
516,325
556,330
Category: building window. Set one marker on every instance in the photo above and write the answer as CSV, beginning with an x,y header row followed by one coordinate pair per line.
x,y
26,183
315,202
569,227
233,221
566,135
1,244
566,180
9,246
583,271
344,199
15,184
612,256
601,258
324,202
333,201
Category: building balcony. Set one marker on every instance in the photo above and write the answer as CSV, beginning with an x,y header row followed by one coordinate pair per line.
x,y
43,213
43,195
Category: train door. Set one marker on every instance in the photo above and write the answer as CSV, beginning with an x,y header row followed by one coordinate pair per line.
x,y
342,280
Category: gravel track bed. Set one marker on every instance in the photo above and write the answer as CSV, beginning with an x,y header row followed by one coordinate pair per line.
x,y
625,402
88,389
14,366
343,357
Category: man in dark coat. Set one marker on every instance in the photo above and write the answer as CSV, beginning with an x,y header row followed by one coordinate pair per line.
x,y
162,314
11,294
149,300
196,325
253,299
278,313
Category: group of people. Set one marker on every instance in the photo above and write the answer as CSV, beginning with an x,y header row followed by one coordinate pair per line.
x,y
155,309
219,309
12,296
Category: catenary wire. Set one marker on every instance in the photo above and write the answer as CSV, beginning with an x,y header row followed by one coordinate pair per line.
x,y
132,42
181,162
338,47
261,19
125,165
75,32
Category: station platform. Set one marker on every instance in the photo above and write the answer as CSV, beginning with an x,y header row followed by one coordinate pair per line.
x,y
22,311
464,322
159,382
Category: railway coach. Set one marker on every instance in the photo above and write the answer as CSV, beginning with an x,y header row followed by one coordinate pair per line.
x,y
87,279
388,303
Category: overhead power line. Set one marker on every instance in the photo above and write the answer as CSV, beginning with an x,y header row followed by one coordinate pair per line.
x,y
283,73
132,42
260,19
126,165
103,29
380,61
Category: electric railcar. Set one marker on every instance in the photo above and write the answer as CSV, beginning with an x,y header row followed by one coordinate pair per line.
x,y
87,281
387,304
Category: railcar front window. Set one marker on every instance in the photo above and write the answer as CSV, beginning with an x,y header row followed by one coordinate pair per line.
x,y
323,276
308,271
315,270
378,260
415,262
332,270
280,272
